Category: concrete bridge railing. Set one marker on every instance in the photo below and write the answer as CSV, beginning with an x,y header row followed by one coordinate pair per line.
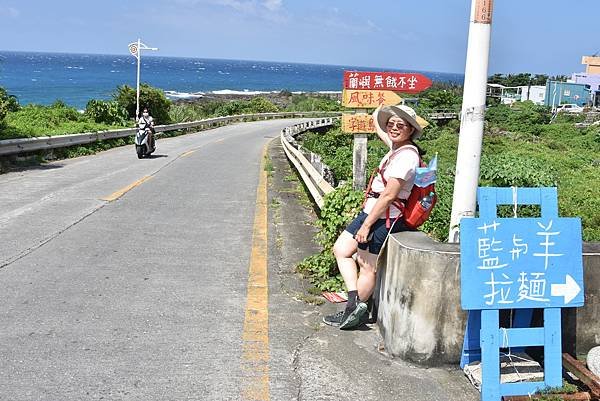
x,y
311,169
25,145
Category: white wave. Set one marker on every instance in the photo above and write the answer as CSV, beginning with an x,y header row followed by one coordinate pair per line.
x,y
115,71
320,92
223,73
183,95
244,92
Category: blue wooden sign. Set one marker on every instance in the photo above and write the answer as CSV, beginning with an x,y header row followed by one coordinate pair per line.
x,y
518,263
509,263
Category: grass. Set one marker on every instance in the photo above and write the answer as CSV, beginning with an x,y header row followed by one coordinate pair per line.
x,y
268,166
34,120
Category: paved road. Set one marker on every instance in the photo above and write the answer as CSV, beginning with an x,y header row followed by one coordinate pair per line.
x,y
127,279
139,298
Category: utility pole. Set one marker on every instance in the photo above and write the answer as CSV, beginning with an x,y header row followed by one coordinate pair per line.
x,y
135,49
468,158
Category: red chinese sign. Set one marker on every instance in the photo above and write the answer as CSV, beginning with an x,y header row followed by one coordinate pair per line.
x,y
389,81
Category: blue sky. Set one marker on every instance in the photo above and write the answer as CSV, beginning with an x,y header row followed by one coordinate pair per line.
x,y
536,36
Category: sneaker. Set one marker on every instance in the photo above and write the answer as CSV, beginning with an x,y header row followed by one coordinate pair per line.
x,y
353,319
334,320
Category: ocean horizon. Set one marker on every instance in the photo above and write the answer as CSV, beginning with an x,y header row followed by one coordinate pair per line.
x,y
43,78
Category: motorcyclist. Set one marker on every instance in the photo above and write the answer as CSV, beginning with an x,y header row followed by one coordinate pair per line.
x,y
147,122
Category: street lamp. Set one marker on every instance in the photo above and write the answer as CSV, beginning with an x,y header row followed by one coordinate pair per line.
x,y
136,51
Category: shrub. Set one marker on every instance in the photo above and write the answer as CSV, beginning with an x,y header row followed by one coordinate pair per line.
x,y
8,103
507,170
520,117
58,119
260,105
313,103
106,112
152,98
340,207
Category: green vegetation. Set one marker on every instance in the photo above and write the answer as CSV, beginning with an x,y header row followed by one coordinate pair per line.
x,y
57,119
184,112
110,113
524,79
441,96
313,103
152,98
8,103
339,209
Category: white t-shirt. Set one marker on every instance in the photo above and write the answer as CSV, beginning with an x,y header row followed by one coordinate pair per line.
x,y
402,164
144,122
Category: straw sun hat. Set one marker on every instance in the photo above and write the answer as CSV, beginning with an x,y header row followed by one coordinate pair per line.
x,y
382,114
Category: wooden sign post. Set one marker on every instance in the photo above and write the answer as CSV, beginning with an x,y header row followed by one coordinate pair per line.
x,y
369,90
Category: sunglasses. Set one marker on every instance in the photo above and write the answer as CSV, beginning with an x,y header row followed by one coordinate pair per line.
x,y
397,125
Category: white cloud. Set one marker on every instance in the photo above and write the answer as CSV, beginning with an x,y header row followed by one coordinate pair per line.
x,y
373,26
271,10
243,6
10,12
273,5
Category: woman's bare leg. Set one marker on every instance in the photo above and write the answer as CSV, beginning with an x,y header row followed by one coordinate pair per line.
x,y
343,249
367,279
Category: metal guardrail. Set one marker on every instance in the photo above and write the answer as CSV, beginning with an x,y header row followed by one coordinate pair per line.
x,y
314,180
25,145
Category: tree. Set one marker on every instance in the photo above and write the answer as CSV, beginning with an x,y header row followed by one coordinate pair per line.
x,y
8,103
152,98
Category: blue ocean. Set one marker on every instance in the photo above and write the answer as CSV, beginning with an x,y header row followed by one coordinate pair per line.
x,y
43,78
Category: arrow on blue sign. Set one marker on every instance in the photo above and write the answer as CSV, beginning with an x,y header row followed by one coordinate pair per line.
x,y
568,290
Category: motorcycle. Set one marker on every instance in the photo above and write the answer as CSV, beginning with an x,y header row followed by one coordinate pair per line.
x,y
143,147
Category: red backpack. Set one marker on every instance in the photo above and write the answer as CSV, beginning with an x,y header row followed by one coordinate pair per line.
x,y
417,208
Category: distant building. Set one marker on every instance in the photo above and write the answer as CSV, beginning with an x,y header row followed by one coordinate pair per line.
x,y
511,94
592,64
506,94
590,77
558,93
535,93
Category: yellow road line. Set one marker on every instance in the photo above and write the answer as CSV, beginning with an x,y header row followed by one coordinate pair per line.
x,y
186,154
121,192
255,336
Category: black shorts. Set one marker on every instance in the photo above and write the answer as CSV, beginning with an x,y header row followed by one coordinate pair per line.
x,y
378,232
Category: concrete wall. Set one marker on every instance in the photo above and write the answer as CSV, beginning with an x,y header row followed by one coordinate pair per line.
x,y
419,312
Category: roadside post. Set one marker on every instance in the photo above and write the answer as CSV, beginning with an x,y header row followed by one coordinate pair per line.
x,y
472,115
519,264
135,49
367,90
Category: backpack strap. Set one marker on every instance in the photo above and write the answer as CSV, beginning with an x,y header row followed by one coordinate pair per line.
x,y
400,204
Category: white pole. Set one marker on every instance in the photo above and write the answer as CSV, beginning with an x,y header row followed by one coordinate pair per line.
x,y
472,116
137,97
